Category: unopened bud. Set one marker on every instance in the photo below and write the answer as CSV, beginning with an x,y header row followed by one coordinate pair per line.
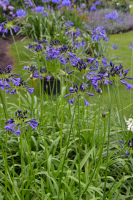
x,y
103,113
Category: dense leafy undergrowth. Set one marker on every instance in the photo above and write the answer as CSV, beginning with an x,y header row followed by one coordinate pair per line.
x,y
74,142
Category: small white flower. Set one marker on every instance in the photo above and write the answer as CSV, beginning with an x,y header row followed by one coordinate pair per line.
x,y
130,6
117,4
130,124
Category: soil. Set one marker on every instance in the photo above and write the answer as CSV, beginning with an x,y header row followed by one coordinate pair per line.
x,y
5,57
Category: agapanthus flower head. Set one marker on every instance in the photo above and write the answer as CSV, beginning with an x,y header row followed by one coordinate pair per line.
x,y
114,73
115,46
99,90
20,118
39,9
31,69
69,24
119,19
129,146
73,32
79,42
35,73
28,3
131,45
100,63
97,3
66,2
93,8
62,53
112,16
55,42
83,5
5,2
19,85
98,33
8,25
38,45
56,1
6,76
78,91
20,13
45,14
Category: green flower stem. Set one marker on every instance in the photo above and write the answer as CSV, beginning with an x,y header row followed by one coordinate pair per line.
x,y
108,138
22,175
79,149
66,152
61,81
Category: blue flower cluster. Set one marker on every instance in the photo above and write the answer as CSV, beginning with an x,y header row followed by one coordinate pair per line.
x,y
83,5
115,46
112,16
35,72
129,145
6,78
98,33
78,91
8,25
131,46
20,13
66,3
39,9
28,3
113,73
19,119
97,3
93,7
5,2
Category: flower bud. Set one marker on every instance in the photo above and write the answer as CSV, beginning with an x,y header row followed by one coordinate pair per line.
x,y
103,113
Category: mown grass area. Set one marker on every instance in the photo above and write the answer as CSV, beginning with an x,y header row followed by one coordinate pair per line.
x,y
121,98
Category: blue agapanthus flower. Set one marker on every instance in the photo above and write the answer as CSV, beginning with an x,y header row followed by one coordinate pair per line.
x,y
115,46
20,118
83,5
8,26
131,45
78,91
19,85
66,3
35,72
73,32
129,146
6,77
28,3
56,1
119,19
97,3
114,73
98,33
45,14
39,9
5,2
20,13
112,16
93,7
100,61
